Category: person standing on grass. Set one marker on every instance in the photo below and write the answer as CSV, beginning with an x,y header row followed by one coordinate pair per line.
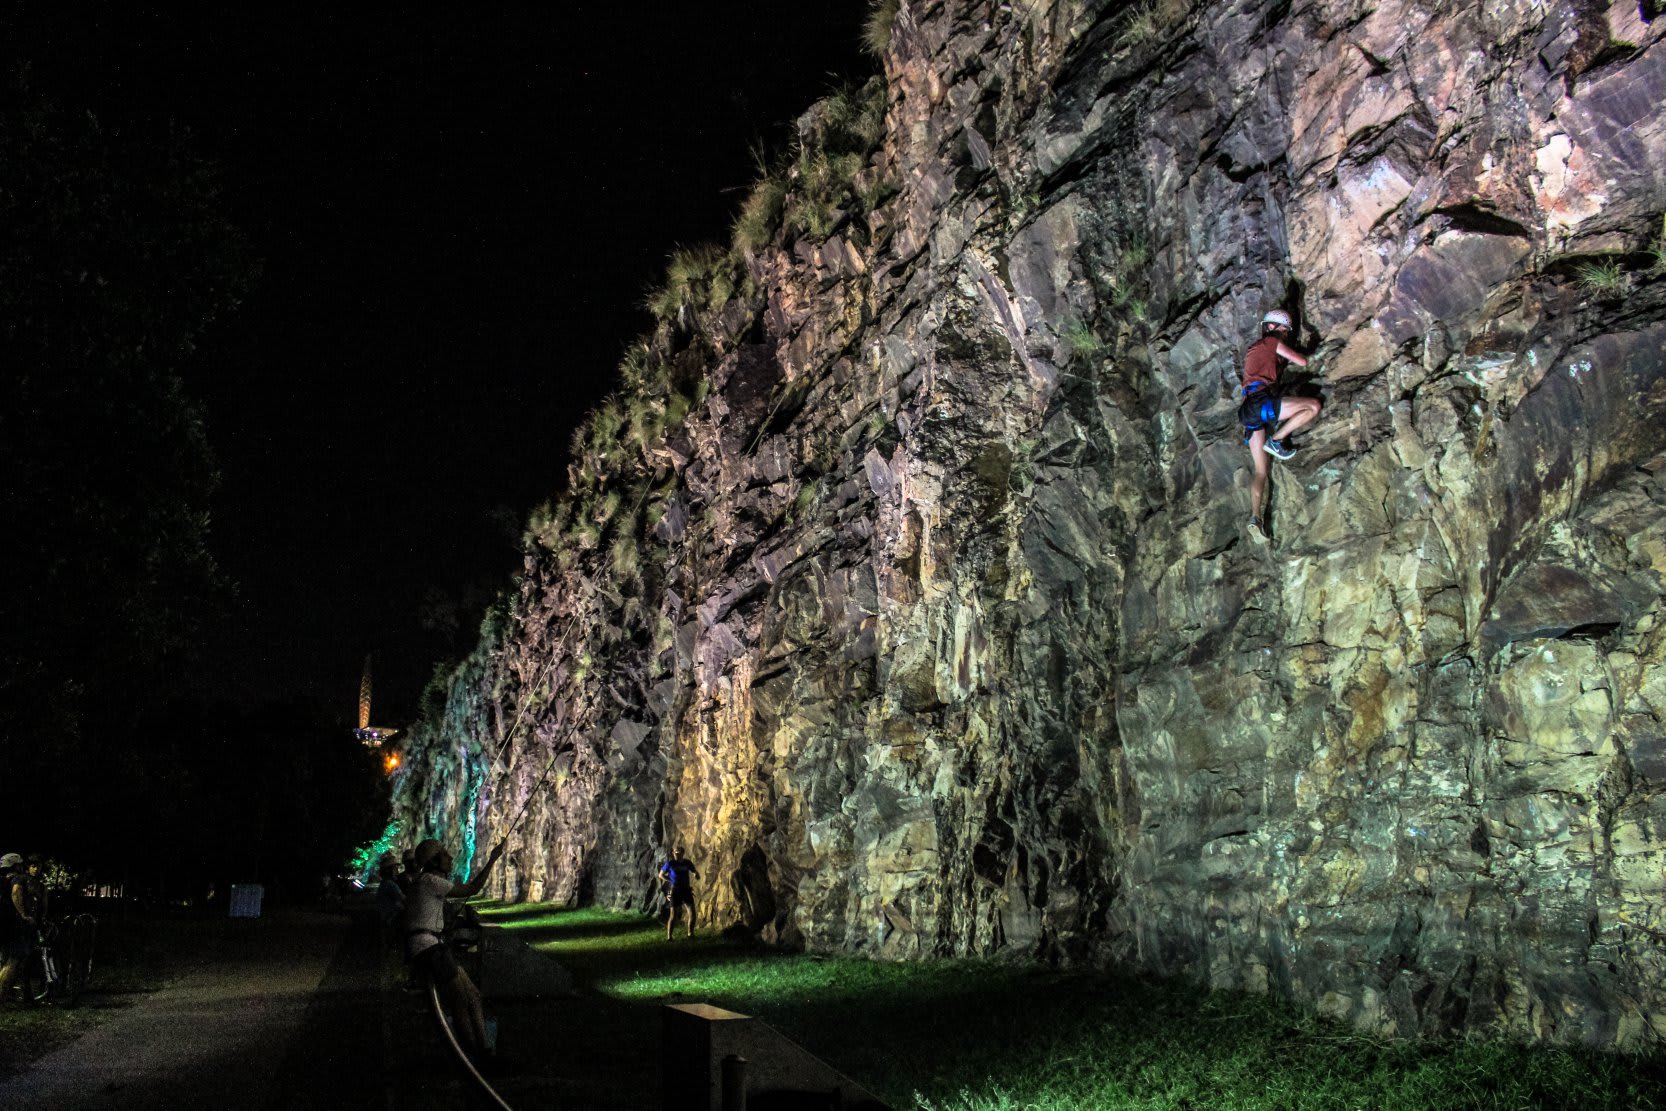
x,y
424,928
1268,417
677,876
17,921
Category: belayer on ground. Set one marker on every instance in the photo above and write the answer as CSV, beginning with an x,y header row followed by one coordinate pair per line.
x,y
424,930
1268,417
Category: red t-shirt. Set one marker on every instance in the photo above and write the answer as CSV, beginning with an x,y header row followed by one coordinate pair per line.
x,y
1261,364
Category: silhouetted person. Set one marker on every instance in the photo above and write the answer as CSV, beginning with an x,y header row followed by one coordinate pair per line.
x,y
424,930
17,925
409,871
677,875
390,896
35,894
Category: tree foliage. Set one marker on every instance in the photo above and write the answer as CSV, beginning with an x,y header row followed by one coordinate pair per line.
x,y
276,794
114,256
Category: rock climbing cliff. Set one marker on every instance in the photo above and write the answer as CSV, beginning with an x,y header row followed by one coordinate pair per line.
x,y
907,580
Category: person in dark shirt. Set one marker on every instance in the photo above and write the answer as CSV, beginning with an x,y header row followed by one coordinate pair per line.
x,y
390,896
677,876
36,897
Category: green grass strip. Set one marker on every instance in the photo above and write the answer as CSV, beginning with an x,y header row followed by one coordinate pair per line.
x,y
974,1035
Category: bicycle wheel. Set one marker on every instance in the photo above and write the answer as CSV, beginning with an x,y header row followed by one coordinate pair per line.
x,y
39,975
77,966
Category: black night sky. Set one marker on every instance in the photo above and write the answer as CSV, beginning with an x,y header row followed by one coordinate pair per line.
x,y
457,212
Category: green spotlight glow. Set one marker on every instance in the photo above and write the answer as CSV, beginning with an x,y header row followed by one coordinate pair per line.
x,y
471,819
365,857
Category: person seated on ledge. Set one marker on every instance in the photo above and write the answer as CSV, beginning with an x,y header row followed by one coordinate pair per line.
x,y
424,925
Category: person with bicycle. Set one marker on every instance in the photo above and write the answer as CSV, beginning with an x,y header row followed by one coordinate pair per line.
x,y
18,921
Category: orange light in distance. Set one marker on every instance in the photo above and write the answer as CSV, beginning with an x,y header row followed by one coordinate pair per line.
x,y
390,762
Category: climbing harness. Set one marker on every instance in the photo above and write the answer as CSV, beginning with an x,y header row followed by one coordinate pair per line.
x,y
1259,409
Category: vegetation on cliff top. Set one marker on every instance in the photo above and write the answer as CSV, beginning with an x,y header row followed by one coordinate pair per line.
x,y
880,24
814,187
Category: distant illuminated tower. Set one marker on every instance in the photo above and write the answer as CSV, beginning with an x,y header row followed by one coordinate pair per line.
x,y
370,735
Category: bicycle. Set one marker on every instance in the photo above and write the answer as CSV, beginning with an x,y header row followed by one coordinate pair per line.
x,y
61,963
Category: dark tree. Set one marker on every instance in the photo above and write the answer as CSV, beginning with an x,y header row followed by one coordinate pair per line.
x,y
113,259
277,794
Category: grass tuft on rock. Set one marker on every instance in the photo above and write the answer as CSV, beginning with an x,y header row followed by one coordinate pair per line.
x,y
857,114
760,214
878,27
640,373
606,420
1151,21
645,422
1601,279
547,524
825,181
625,560
696,278
1082,340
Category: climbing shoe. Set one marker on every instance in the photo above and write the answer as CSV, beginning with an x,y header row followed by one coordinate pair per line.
x,y
1278,449
1257,530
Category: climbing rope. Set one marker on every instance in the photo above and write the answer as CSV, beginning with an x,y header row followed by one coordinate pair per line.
x,y
1274,114
530,795
460,1053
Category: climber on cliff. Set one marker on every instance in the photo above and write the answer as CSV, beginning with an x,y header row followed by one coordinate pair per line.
x,y
1264,410
677,876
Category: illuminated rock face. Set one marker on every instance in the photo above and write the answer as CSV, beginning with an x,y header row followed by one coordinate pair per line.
x,y
948,636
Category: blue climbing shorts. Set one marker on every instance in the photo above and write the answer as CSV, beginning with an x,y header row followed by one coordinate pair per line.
x,y
1259,410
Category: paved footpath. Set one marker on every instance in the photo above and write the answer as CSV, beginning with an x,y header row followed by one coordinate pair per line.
x,y
282,1012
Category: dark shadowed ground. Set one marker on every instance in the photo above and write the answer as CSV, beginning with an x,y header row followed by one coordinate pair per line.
x,y
305,1009
245,1003
300,1009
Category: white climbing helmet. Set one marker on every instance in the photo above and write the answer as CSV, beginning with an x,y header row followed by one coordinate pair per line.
x,y
1276,316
